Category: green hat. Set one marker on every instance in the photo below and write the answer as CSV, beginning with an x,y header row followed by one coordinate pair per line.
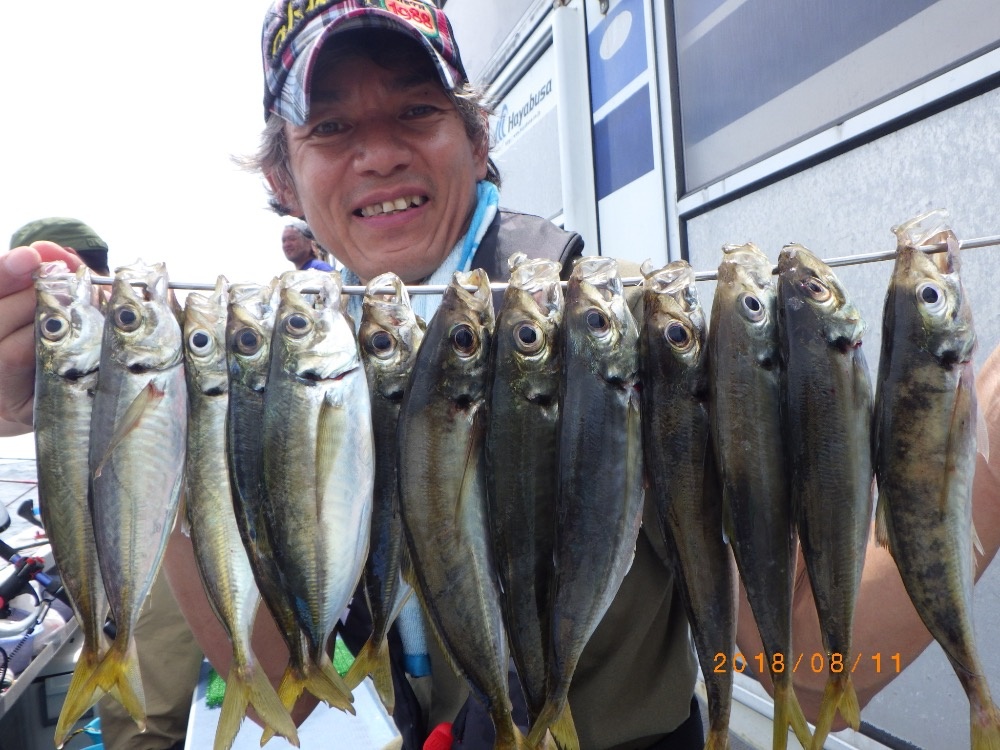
x,y
67,232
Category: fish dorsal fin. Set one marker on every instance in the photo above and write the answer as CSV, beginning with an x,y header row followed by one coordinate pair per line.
x,y
144,403
882,521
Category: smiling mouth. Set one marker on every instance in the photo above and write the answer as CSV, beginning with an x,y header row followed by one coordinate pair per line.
x,y
391,207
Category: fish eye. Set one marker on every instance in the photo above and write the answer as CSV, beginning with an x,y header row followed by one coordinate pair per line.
x,y
464,340
297,324
54,328
751,307
597,321
931,296
528,337
381,344
199,342
127,318
247,341
677,335
816,289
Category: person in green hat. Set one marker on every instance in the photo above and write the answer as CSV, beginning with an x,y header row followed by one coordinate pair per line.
x,y
72,234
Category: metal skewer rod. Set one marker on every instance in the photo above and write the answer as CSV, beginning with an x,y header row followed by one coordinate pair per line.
x,y
845,260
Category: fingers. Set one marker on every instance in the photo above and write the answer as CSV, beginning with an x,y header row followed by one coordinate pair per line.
x,y
17,313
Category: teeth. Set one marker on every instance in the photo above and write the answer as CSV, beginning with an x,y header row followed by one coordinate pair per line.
x,y
387,207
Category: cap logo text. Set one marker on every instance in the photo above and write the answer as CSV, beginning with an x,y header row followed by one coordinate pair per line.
x,y
415,13
293,17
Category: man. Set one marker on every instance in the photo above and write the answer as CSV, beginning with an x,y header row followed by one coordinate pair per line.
x,y
300,247
374,137
169,658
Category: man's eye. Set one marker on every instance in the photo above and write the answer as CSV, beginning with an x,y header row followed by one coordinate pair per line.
x,y
330,127
420,110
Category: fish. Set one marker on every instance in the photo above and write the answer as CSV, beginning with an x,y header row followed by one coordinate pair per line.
x,y
745,373
249,326
68,331
828,413
925,450
600,496
318,461
138,434
522,461
681,468
218,548
389,338
442,500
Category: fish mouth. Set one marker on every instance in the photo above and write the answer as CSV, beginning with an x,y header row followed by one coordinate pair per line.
x,y
396,205
845,344
321,376
74,374
541,399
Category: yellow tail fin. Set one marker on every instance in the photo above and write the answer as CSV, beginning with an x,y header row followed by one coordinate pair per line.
x,y
788,713
249,686
717,740
986,728
322,681
564,730
118,674
373,659
838,694
81,695
549,713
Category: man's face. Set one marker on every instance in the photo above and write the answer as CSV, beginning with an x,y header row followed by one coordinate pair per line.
x,y
296,246
383,171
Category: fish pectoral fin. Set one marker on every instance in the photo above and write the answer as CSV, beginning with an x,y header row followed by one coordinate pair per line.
x,y
982,436
330,439
144,403
977,546
471,474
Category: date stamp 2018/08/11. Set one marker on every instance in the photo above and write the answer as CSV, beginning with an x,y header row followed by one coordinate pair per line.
x,y
816,662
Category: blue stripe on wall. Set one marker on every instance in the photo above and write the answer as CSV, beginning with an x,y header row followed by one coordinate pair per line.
x,y
623,144
608,77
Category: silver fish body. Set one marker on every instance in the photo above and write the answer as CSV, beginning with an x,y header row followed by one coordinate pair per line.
x,y
681,468
219,552
600,500
389,338
925,451
68,331
137,445
443,495
318,458
828,412
522,462
747,438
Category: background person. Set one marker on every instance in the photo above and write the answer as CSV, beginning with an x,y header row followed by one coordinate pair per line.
x,y
301,248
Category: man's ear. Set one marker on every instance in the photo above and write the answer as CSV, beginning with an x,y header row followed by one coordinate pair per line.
x,y
481,152
284,192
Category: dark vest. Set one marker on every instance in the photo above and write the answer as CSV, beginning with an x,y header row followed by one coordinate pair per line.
x,y
512,232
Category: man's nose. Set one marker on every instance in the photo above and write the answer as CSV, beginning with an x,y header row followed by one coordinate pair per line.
x,y
381,149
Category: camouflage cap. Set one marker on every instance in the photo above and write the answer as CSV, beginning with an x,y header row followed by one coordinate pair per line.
x,y
296,30
67,232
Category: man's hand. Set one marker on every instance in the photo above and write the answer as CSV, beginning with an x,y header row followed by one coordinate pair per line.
x,y
17,345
